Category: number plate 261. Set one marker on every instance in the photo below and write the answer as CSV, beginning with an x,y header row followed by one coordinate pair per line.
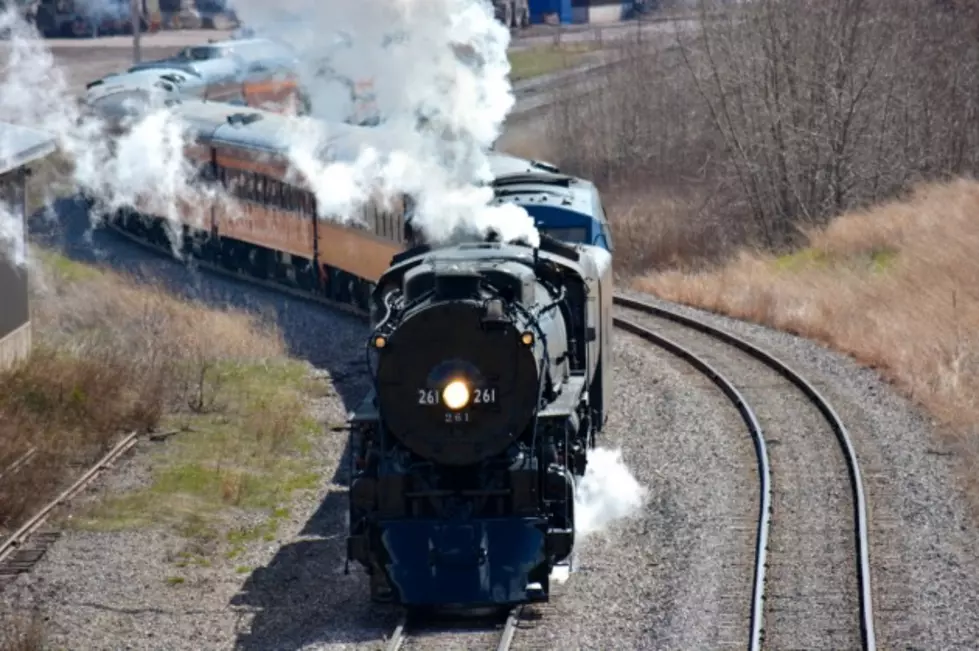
x,y
479,397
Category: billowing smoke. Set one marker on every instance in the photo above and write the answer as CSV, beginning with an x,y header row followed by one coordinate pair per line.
x,y
434,72
145,167
608,492
437,77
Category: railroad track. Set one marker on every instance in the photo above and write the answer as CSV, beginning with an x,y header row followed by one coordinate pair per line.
x,y
25,547
491,632
845,605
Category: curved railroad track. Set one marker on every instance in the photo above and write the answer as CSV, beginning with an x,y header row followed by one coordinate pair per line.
x,y
825,610
764,619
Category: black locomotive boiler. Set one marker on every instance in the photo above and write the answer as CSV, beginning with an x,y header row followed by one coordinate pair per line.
x,y
491,379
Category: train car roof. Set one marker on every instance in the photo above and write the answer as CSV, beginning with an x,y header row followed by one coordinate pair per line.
x,y
526,184
265,131
505,164
182,80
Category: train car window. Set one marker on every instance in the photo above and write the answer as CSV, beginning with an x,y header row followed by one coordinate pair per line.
x,y
571,235
275,193
369,217
399,230
245,184
385,228
232,181
259,189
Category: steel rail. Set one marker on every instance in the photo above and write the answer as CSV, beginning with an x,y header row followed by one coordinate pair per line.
x,y
761,451
509,629
19,462
399,636
11,544
867,631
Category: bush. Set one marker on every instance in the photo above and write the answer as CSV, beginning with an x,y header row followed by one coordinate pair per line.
x,y
110,356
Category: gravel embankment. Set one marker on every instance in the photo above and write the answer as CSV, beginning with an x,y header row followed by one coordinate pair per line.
x,y
812,591
924,541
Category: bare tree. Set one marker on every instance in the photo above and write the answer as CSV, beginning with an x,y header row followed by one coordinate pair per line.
x,y
777,113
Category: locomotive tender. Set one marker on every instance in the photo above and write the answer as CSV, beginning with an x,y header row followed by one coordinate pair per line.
x,y
489,360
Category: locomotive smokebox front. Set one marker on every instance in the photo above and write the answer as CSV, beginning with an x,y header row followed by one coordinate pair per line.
x,y
458,377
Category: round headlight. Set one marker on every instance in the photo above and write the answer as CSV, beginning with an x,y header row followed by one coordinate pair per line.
x,y
455,395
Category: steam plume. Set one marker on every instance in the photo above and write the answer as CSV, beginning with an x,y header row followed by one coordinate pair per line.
x,y
147,163
608,492
439,74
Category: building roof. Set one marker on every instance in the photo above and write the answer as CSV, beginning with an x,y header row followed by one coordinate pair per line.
x,y
20,146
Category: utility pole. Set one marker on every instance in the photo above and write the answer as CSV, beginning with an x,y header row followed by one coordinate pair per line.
x,y
135,7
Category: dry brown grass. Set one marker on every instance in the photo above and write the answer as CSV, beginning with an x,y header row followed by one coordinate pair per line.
x,y
894,286
110,356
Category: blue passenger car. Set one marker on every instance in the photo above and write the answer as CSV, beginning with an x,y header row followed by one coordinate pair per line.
x,y
565,207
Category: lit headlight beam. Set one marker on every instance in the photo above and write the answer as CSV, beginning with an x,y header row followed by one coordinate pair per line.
x,y
455,395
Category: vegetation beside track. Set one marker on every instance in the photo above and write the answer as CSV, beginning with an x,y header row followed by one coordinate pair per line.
x,y
111,356
804,166
544,59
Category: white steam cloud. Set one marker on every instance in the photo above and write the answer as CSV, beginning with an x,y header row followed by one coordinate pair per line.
x,y
437,73
608,492
146,166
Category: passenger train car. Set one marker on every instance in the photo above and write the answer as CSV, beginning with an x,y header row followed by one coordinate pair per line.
x,y
268,230
490,359
255,72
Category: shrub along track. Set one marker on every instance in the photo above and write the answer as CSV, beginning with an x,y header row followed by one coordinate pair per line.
x,y
812,519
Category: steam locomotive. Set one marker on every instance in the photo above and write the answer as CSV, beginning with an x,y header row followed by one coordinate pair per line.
x,y
490,373
489,360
